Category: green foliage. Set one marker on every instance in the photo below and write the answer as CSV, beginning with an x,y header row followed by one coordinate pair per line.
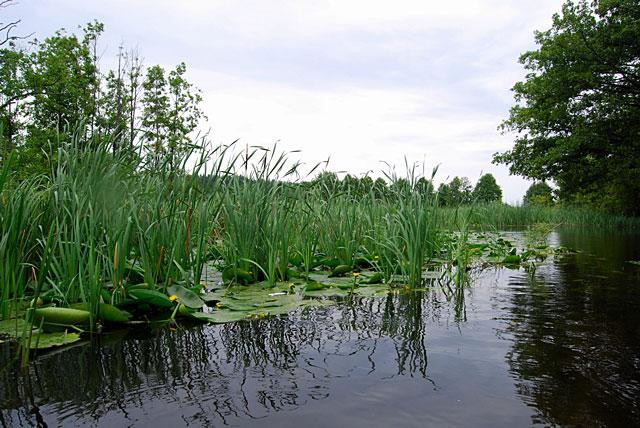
x,y
457,192
155,116
499,216
487,190
53,89
539,193
577,113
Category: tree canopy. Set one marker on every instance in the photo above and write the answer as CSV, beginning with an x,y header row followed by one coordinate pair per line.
x,y
54,87
487,190
577,113
539,193
456,192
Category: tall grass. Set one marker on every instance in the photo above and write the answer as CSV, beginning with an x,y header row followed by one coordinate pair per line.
x,y
503,216
21,214
100,223
113,224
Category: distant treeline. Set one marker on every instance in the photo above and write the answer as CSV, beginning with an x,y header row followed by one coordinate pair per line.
x,y
453,193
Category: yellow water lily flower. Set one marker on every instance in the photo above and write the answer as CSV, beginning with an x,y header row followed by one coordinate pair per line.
x,y
173,297
356,274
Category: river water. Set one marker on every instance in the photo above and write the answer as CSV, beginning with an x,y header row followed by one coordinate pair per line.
x,y
561,348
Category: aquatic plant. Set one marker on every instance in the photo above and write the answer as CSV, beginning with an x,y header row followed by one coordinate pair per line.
x,y
102,241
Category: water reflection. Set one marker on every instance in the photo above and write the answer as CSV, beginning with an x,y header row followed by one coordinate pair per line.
x,y
565,342
576,339
222,373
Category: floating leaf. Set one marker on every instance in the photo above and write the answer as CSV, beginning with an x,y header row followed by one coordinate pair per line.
x,y
65,316
51,340
315,285
238,275
376,278
512,260
151,297
340,270
106,312
327,292
12,327
186,296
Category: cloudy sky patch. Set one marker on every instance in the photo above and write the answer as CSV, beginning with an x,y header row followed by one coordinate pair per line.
x,y
359,81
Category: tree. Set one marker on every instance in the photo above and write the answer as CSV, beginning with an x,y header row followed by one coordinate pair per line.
x,y
577,113
133,75
487,189
351,185
13,90
155,113
328,183
46,90
170,112
114,104
366,185
456,192
52,88
64,78
7,27
400,187
185,112
539,193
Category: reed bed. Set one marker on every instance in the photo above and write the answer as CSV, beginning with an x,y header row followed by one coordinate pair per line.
x,y
504,216
101,225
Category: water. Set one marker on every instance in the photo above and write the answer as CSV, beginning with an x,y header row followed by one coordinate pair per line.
x,y
562,348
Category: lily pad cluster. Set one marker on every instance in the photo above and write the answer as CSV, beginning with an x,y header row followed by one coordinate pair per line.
x,y
236,296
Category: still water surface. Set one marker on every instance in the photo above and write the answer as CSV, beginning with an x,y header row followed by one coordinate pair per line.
x,y
562,348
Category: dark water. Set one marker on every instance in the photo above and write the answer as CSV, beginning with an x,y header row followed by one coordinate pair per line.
x,y
562,348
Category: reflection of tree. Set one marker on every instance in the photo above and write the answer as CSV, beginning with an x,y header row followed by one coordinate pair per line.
x,y
576,344
224,373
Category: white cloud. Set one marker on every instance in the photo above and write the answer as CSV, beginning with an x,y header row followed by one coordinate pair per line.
x,y
359,80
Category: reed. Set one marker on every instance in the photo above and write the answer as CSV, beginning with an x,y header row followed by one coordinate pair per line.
x,y
504,216
101,224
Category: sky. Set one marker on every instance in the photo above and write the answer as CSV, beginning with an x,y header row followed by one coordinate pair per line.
x,y
363,83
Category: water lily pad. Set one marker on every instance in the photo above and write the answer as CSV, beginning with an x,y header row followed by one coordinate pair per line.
x,y
106,312
51,340
65,316
340,270
152,297
375,278
12,327
512,260
186,296
315,285
327,292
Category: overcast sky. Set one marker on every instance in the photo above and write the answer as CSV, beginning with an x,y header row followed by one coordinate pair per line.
x,y
359,81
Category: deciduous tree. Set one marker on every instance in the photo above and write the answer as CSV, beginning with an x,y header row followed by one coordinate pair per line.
x,y
577,113
487,189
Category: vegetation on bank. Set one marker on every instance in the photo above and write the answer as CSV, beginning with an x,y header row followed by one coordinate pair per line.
x,y
577,114
101,240
115,221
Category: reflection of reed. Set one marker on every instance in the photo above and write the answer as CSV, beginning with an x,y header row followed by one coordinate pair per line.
x,y
223,373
